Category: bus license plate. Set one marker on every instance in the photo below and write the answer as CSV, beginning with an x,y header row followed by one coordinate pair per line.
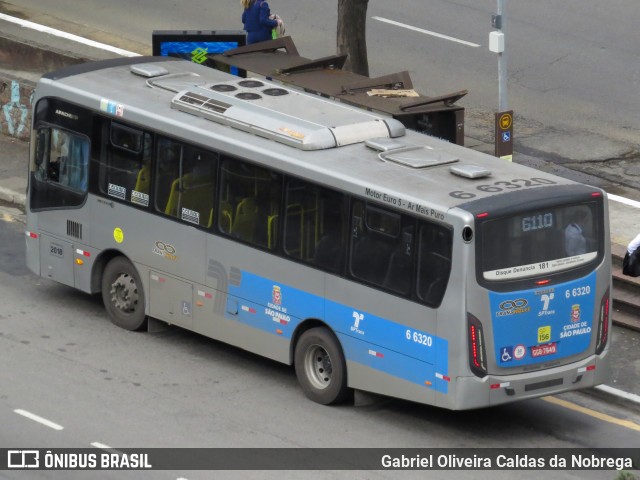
x,y
541,350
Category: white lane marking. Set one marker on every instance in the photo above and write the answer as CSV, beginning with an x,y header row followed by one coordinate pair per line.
x,y
68,36
38,419
619,393
101,446
626,201
426,32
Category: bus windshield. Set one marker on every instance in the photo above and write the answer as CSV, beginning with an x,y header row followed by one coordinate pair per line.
x,y
540,242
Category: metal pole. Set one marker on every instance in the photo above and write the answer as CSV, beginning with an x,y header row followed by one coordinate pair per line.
x,y
502,62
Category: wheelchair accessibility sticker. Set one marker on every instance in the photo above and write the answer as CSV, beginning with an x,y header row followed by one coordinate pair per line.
x,y
512,353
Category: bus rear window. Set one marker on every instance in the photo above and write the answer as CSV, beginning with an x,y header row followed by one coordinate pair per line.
x,y
540,242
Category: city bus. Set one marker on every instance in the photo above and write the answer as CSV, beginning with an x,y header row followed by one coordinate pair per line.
x,y
330,238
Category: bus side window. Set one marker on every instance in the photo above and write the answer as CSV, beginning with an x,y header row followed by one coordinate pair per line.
x,y
142,187
60,169
249,203
125,153
314,226
400,268
434,262
168,164
43,143
185,182
63,158
372,243
198,187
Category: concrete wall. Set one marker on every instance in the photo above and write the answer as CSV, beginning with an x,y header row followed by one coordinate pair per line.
x,y
21,64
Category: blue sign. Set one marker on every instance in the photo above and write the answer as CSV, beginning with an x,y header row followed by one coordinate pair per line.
x,y
543,324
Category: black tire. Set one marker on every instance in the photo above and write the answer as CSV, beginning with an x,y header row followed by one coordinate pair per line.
x,y
320,367
123,295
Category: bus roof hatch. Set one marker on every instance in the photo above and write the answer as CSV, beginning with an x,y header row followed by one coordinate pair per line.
x,y
304,121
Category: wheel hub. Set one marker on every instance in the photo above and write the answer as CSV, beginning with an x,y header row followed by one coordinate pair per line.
x,y
318,366
124,293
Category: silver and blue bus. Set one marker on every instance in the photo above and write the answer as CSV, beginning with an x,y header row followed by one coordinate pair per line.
x,y
369,257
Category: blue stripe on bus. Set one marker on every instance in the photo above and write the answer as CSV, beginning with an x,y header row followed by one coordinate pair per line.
x,y
543,324
377,342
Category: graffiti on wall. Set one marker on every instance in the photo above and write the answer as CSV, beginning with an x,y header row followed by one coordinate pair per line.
x,y
15,100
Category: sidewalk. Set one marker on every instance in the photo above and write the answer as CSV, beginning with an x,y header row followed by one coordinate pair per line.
x,y
624,384
14,158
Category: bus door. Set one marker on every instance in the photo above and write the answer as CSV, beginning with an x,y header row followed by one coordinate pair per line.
x,y
58,187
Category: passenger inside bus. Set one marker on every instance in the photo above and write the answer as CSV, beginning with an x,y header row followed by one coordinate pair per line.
x,y
575,242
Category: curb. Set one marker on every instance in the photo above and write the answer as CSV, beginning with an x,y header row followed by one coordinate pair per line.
x,y
613,395
10,196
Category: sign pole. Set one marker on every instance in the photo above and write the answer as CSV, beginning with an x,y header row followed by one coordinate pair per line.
x,y
504,117
502,61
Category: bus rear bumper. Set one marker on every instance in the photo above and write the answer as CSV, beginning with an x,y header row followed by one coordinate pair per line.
x,y
474,392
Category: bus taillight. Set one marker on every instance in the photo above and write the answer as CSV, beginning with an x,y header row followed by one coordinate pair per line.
x,y
603,324
477,354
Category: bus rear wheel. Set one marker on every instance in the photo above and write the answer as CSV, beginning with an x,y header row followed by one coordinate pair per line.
x,y
320,367
122,294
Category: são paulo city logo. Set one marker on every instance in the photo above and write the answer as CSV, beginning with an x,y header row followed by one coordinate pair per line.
x,y
513,307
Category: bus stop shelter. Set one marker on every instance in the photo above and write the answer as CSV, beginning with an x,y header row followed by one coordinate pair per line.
x,y
393,94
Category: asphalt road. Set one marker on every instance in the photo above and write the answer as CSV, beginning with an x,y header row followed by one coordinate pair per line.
x,y
63,360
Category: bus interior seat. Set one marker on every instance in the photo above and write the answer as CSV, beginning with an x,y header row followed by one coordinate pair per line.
x,y
434,282
435,291
370,259
244,223
328,252
194,194
124,168
272,230
398,276
226,216
143,181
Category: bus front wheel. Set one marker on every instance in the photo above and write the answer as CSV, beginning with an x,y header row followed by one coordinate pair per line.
x,y
320,366
122,294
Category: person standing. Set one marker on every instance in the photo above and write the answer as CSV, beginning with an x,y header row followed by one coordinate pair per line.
x,y
633,245
630,264
256,21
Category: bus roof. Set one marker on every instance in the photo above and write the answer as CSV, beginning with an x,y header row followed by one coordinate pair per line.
x,y
332,143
